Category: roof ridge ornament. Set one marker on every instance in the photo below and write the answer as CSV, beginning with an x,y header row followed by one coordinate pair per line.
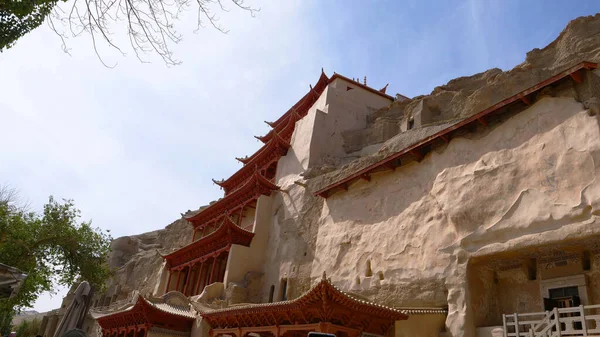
x,y
384,89
243,160
218,182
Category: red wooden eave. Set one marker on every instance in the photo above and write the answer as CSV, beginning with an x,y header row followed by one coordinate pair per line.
x,y
269,153
143,315
323,303
384,89
284,132
444,134
227,234
254,187
283,129
300,108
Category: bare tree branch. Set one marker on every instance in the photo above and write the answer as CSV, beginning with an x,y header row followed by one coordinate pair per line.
x,y
11,197
150,23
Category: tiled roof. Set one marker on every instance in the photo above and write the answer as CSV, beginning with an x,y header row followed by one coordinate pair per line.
x,y
164,303
424,311
261,306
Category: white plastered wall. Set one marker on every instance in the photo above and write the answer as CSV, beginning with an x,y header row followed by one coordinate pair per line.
x,y
248,218
161,284
242,260
345,110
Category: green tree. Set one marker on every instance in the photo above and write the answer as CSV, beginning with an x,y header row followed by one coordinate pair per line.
x,y
5,322
149,24
53,248
28,328
18,18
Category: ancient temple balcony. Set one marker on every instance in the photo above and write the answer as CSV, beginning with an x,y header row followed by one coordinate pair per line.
x,y
233,204
204,261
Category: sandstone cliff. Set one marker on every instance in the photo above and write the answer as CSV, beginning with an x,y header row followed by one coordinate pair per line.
x,y
465,96
136,259
530,180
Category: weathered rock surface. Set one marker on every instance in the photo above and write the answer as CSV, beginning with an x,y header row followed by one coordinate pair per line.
x,y
406,238
136,259
465,96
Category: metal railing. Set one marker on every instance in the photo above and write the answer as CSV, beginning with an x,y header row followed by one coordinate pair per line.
x,y
583,320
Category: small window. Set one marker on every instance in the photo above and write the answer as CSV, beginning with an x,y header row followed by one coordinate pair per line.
x,y
284,289
411,123
532,270
271,293
587,262
368,270
564,292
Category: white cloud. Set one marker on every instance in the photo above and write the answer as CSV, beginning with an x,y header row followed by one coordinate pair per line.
x,y
138,144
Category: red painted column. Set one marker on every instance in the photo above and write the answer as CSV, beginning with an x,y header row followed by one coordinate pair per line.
x,y
194,237
222,265
199,278
212,272
187,279
241,217
178,278
169,281
206,275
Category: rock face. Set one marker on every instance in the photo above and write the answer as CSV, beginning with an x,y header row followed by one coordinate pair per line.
x,y
465,96
137,262
531,181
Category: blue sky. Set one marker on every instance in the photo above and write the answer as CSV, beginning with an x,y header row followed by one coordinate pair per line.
x,y
136,145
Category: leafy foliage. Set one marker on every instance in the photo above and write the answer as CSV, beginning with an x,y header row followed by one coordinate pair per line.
x,y
52,248
6,317
28,328
19,17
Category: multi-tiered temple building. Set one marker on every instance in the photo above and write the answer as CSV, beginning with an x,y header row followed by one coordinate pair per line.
x,y
473,211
